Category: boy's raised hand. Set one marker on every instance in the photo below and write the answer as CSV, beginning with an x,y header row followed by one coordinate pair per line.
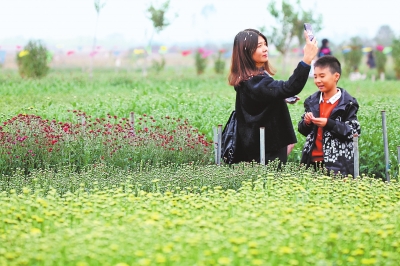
x,y
310,49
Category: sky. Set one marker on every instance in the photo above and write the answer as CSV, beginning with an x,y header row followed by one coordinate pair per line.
x,y
125,22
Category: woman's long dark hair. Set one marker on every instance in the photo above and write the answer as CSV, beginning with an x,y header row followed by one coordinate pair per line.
x,y
242,64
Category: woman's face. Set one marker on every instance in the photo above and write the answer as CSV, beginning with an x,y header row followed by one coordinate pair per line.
x,y
260,56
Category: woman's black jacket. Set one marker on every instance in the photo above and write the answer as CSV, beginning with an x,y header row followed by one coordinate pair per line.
x,y
260,102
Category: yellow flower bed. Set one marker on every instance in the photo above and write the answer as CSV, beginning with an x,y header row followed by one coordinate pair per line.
x,y
270,221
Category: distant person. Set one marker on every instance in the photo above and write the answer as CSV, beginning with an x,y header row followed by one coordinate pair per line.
x,y
261,100
324,49
371,60
330,121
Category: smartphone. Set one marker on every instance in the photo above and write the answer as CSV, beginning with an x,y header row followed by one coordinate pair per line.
x,y
308,28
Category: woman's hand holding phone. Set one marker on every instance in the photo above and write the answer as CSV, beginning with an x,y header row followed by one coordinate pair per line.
x,y
292,100
310,48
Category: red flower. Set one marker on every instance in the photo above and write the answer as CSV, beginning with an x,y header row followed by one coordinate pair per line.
x,y
54,141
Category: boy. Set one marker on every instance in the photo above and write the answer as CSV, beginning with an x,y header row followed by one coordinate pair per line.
x,y
330,121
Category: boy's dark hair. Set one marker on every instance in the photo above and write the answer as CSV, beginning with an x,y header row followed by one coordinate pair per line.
x,y
329,61
324,42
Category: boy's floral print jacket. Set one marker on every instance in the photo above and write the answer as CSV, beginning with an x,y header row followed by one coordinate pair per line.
x,y
337,139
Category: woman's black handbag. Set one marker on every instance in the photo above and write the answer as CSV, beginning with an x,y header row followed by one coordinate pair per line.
x,y
228,145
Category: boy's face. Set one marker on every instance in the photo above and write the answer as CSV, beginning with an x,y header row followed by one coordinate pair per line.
x,y
325,80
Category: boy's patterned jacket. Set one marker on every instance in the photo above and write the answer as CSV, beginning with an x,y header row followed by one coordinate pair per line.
x,y
337,139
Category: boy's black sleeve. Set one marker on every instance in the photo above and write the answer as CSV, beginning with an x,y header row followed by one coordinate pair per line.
x,y
348,126
302,127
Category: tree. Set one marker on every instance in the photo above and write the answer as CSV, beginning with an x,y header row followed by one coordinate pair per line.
x,y
98,5
158,16
396,56
353,57
290,20
32,61
381,59
384,36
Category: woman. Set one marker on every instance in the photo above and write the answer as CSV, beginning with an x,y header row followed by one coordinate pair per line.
x,y
260,100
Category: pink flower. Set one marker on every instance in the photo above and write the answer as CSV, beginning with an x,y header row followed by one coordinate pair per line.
x,y
204,53
186,52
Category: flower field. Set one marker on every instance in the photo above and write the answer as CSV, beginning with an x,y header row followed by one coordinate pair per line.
x,y
275,219
119,171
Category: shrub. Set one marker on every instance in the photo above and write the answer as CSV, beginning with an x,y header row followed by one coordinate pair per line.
x,y
381,59
32,61
201,60
158,66
352,59
396,56
30,142
219,64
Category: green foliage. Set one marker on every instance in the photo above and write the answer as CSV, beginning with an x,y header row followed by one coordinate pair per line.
x,y
157,16
219,63
290,18
98,5
352,59
204,100
32,61
380,59
201,61
158,66
69,178
396,56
